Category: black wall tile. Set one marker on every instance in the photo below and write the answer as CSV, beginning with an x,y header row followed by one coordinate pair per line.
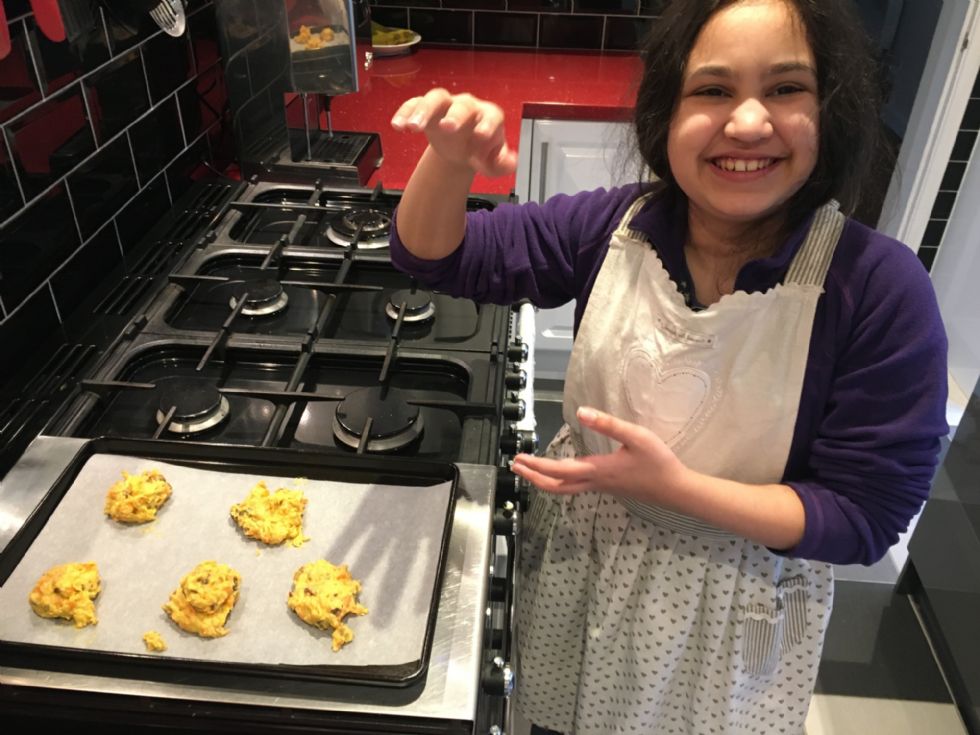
x,y
203,102
33,245
62,63
971,118
943,205
117,95
10,199
203,30
142,213
412,3
394,17
623,7
953,175
934,232
99,255
652,7
20,334
102,185
507,29
156,139
50,140
472,4
19,86
927,256
443,26
188,168
572,32
15,8
625,34
963,147
545,6
168,64
127,24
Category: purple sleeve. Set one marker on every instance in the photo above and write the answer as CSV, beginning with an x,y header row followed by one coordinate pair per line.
x,y
542,253
876,431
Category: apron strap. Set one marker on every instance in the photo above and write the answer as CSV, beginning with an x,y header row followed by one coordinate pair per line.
x,y
812,260
623,230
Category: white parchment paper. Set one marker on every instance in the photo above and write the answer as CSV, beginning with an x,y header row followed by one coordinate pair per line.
x,y
389,536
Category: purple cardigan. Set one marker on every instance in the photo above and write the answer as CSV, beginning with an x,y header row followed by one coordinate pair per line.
x,y
873,405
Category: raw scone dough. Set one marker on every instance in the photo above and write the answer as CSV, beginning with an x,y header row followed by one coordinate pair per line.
x,y
204,599
272,517
68,591
322,595
154,641
137,498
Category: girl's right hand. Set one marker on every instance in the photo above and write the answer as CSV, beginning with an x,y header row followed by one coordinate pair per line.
x,y
462,129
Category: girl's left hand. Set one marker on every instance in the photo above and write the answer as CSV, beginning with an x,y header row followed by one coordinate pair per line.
x,y
643,468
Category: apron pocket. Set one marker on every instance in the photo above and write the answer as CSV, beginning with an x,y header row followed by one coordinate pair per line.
x,y
769,631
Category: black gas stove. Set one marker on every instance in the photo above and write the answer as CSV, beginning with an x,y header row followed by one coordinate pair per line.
x,y
269,315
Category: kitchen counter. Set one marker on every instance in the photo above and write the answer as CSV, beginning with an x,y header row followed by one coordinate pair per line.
x,y
526,84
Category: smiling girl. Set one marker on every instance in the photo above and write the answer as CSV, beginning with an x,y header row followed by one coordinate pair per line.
x,y
757,386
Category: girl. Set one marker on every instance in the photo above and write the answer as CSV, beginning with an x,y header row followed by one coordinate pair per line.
x,y
757,386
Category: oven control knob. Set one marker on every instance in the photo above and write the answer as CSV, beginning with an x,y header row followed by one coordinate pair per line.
x,y
511,487
517,352
498,678
514,409
516,442
516,380
498,589
505,520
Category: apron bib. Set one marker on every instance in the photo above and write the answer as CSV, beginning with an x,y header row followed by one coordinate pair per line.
x,y
632,618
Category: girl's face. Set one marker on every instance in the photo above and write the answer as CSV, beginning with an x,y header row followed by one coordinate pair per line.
x,y
744,136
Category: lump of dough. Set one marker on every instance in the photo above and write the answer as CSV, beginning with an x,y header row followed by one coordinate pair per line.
x,y
68,591
323,595
204,599
137,498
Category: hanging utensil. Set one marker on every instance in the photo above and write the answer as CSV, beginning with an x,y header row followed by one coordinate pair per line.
x,y
168,14
48,17
4,33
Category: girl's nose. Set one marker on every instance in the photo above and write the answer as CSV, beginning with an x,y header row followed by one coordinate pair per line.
x,y
749,121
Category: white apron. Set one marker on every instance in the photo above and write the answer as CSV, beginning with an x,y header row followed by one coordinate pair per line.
x,y
639,620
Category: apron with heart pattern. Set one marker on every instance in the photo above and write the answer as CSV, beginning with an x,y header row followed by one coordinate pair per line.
x,y
631,618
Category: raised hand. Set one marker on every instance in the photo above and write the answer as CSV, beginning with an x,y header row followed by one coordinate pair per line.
x,y
462,129
643,468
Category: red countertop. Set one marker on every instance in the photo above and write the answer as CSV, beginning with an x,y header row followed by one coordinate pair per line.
x,y
526,84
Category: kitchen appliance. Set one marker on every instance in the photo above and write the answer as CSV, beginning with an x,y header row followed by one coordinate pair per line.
x,y
284,61
266,318
943,568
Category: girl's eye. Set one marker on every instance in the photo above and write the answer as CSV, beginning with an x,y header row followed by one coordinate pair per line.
x,y
784,89
709,92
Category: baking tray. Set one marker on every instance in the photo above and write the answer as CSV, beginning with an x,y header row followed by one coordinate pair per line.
x,y
216,464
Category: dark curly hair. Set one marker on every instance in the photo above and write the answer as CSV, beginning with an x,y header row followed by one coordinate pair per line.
x,y
850,89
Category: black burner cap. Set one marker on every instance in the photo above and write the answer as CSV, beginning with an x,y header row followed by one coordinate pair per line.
x,y
415,302
386,406
373,223
193,397
260,291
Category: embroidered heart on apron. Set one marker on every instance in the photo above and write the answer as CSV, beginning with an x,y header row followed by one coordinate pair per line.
x,y
666,401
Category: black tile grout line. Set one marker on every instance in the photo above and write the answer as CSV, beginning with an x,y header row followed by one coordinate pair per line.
x,y
132,159
146,76
88,113
111,220
13,167
74,213
98,148
41,83
3,309
79,81
115,228
57,311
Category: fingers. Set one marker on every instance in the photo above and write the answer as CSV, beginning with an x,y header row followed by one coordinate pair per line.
x,y
624,432
549,483
417,113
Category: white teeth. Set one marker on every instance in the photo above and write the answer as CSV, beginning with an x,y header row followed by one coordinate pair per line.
x,y
742,164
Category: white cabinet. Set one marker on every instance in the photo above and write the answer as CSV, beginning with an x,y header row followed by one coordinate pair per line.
x,y
566,157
